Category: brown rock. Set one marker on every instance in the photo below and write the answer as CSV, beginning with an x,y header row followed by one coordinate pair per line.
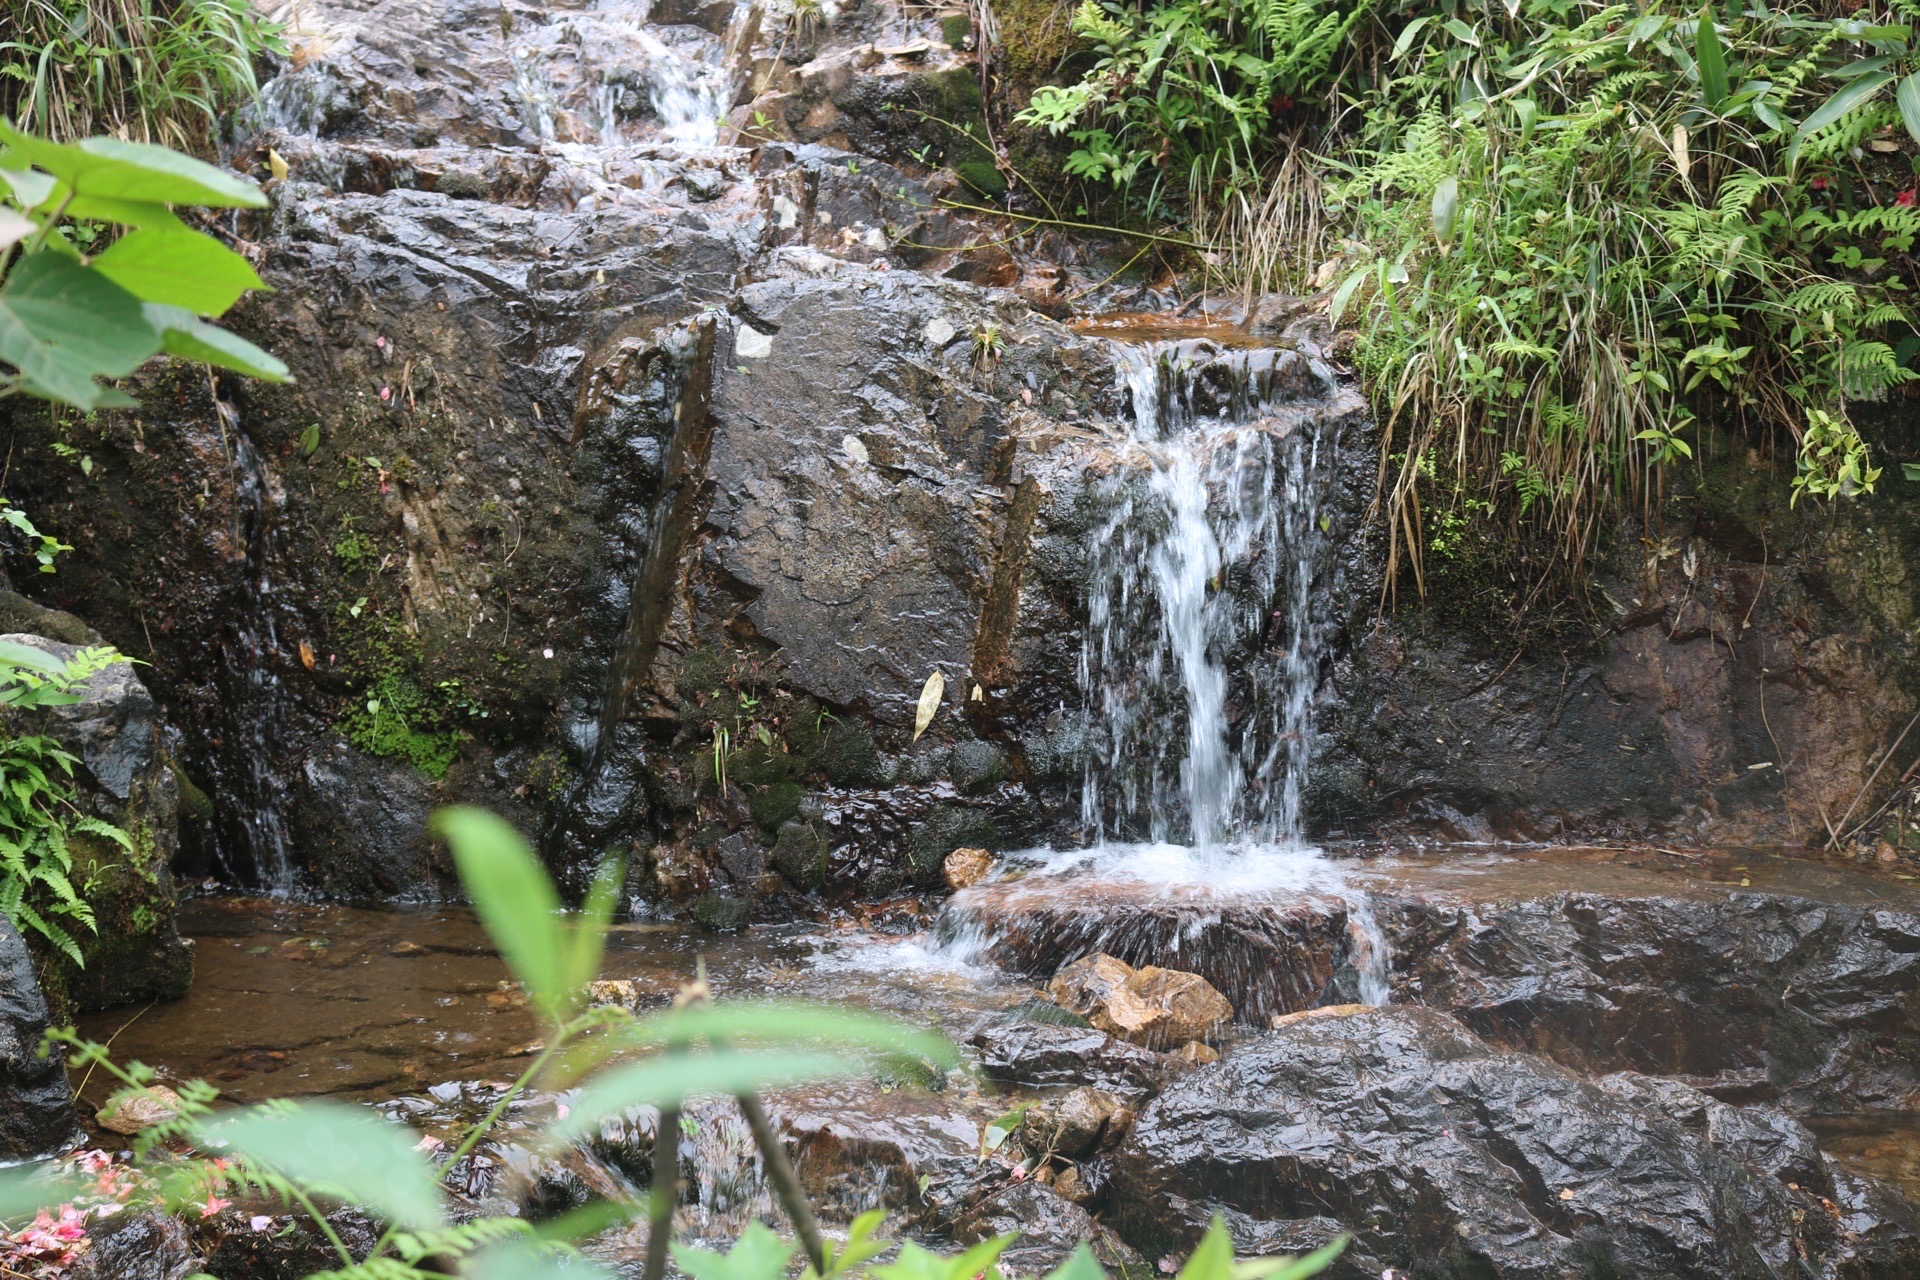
x,y
1325,1011
965,868
1070,1187
1195,1054
1071,1125
408,949
622,993
141,1111
1150,1006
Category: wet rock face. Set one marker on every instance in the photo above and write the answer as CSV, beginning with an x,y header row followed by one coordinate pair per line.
x,y
1749,994
36,1106
1496,1164
123,777
1151,1006
1041,1054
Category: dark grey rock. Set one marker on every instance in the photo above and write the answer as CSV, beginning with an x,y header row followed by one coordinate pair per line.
x,y
143,1245
1493,1164
1049,1053
36,1106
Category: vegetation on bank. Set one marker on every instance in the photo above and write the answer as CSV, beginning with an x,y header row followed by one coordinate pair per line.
x,y
1567,236
313,1156
149,70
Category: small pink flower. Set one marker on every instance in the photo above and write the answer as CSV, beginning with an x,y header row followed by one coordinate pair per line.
x,y
1905,198
381,343
1819,184
260,1221
1020,1173
386,393
213,1205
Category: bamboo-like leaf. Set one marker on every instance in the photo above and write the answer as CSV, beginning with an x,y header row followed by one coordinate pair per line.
x,y
1446,205
1711,60
1908,95
514,899
340,1152
1847,99
930,695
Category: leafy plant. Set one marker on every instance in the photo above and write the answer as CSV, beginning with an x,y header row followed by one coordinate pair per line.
x,y
1184,92
315,1154
157,70
1570,233
38,816
397,719
67,319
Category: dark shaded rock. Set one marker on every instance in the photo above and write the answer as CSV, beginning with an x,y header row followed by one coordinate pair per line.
x,y
722,912
1044,1053
1073,1124
144,1245
800,855
856,1150
975,765
1049,1227
286,1247
1494,1165
36,1106
1746,992
347,799
124,779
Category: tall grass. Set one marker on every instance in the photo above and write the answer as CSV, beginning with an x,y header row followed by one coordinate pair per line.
x,y
1569,235
160,71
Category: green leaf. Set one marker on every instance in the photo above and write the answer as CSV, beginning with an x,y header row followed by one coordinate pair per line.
x,y
1911,472
783,1024
179,268
1462,32
15,227
860,1247
915,1263
29,188
757,1255
1908,96
339,1152
529,1260
589,941
666,1080
1405,40
515,901
186,335
62,325
1845,100
1300,1268
27,1189
1711,60
1446,207
1212,1258
15,654
136,171
1080,1265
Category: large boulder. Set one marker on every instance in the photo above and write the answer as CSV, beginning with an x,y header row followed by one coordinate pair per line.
x,y
36,1106
124,777
1445,1156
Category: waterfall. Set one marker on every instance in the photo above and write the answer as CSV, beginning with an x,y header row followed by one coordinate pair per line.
x,y
1202,648
250,682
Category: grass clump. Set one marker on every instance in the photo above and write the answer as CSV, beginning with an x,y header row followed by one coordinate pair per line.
x,y
163,71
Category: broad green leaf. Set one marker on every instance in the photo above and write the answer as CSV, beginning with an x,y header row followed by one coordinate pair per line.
x,y
915,1263
1908,96
1212,1258
860,1247
1848,98
27,1189
1300,1268
15,227
515,901
589,942
1080,1265
769,1024
136,171
1405,41
1446,207
62,325
1711,60
15,654
132,213
529,1260
757,1255
179,268
339,1152
1344,294
666,1080
186,335
28,187
930,695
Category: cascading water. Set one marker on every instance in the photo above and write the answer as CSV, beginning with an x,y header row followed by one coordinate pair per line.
x,y
1203,649
1200,610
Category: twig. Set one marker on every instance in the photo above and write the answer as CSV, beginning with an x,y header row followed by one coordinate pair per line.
x,y
1077,226
785,1182
1874,776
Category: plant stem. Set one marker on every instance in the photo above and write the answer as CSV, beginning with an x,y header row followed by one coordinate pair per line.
x,y
1078,226
666,1192
320,1221
786,1183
